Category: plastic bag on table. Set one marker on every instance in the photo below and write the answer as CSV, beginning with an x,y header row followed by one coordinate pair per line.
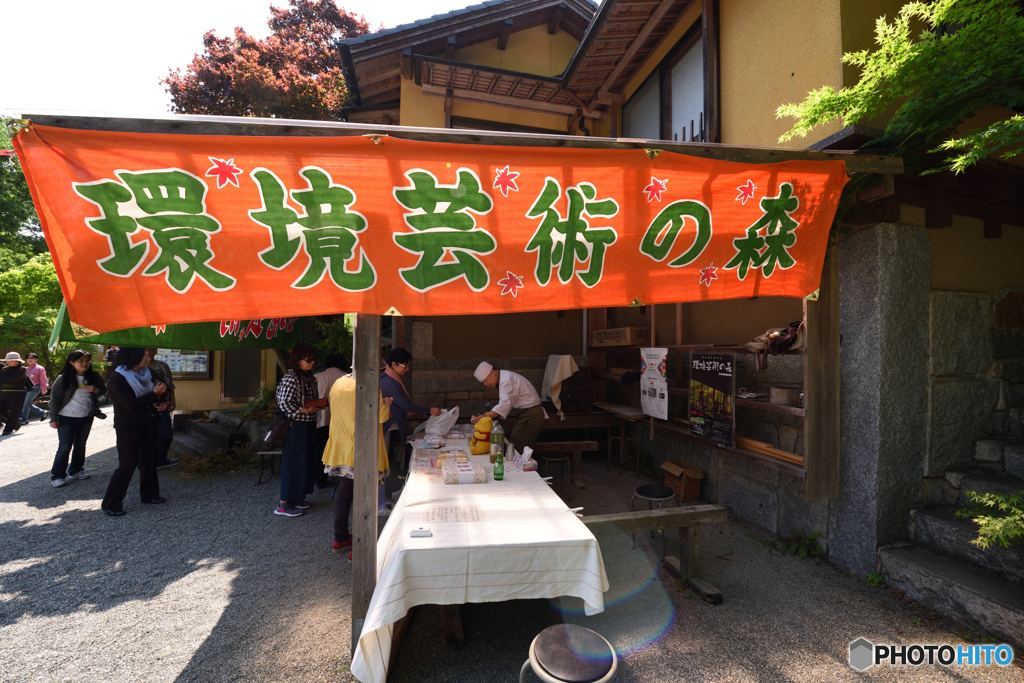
x,y
440,424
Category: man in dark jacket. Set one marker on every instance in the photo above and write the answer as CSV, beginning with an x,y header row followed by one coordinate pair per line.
x,y
14,383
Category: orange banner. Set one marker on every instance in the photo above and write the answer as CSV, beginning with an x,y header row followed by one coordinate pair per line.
x,y
152,229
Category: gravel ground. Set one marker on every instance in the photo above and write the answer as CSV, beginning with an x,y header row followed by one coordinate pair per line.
x,y
213,587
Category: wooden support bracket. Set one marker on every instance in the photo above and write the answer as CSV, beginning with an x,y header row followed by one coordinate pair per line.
x,y
506,30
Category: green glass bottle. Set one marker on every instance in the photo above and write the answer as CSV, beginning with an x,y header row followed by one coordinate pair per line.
x,y
499,467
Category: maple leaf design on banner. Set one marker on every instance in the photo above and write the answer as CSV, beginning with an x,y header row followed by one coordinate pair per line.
x,y
511,284
655,189
505,181
159,329
746,191
708,274
225,172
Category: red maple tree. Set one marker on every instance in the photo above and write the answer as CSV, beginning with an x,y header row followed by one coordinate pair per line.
x,y
293,73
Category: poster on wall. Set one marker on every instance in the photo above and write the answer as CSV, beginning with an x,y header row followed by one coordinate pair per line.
x,y
712,404
187,364
653,382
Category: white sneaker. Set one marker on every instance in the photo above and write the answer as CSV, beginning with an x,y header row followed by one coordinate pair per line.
x,y
80,474
57,483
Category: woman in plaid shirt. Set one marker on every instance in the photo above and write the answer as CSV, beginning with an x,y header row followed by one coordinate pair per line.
x,y
300,463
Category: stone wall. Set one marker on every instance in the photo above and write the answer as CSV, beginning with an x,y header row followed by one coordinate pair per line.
x,y
960,353
976,375
451,383
1006,375
756,490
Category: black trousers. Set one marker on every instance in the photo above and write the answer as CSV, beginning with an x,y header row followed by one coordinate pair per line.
x,y
72,433
11,403
136,448
300,462
342,505
164,436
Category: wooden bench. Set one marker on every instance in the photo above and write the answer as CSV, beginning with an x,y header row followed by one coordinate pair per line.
x,y
575,450
688,520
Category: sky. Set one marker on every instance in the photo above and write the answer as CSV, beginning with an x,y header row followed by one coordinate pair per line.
x,y
107,57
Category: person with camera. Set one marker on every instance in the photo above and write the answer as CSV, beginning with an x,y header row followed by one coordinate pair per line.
x,y
73,404
136,398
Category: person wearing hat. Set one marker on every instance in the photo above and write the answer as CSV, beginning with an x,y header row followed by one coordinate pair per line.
x,y
518,405
14,383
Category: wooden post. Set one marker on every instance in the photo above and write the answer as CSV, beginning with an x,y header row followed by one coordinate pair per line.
x,y
821,386
364,504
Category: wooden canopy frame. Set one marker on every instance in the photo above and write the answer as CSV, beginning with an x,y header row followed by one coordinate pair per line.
x,y
822,383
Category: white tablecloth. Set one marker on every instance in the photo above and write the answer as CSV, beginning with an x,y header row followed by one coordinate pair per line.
x,y
526,543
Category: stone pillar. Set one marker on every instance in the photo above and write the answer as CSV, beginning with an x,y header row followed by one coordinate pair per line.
x,y
884,283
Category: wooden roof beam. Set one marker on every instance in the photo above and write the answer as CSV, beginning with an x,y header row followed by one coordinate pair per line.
x,y
449,47
557,15
506,101
506,31
637,43
407,65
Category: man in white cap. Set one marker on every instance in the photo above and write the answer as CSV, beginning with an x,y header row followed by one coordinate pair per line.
x,y
518,405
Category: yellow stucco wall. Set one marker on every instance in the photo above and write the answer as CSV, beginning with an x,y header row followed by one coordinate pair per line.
x,y
774,52
964,260
770,52
531,50
209,394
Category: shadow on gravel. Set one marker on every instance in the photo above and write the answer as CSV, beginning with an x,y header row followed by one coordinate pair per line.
x,y
66,557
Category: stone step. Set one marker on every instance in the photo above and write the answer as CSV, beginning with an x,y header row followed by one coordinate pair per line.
x,y
987,481
955,587
989,451
942,530
1014,459
188,444
231,418
215,435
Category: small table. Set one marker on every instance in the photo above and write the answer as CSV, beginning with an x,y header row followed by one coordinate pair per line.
x,y
503,540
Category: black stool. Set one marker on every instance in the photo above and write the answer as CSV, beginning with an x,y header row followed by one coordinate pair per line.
x,y
567,653
565,469
654,494
266,456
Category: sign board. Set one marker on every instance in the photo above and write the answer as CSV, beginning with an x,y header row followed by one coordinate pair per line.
x,y
654,382
214,227
712,400
187,364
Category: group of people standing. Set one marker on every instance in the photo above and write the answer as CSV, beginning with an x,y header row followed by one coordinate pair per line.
x,y
320,442
141,390
21,383
321,410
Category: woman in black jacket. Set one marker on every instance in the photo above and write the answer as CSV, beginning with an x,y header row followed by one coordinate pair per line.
x,y
134,395
72,407
13,385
